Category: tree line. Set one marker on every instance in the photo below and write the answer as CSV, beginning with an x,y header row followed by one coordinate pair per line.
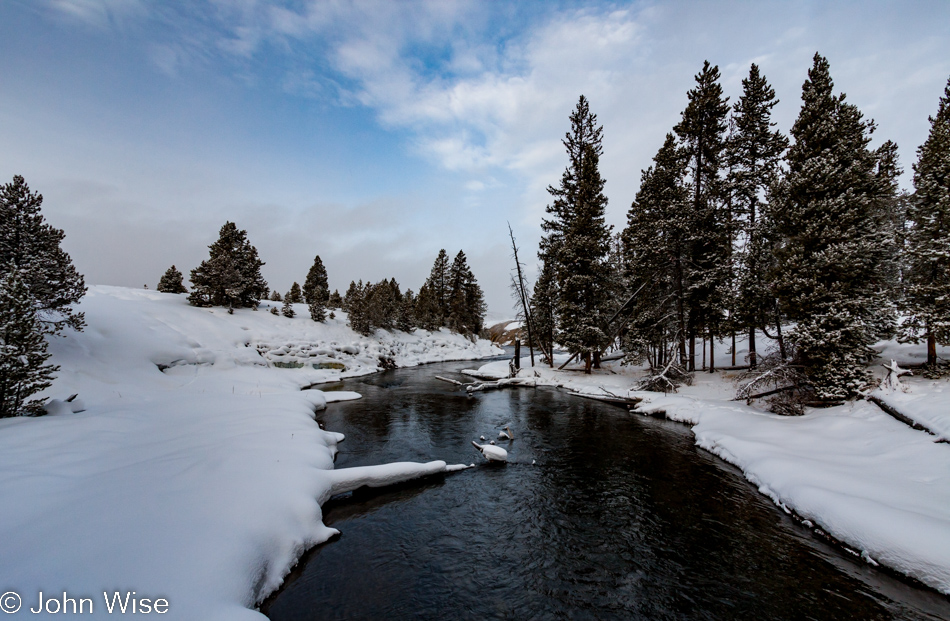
x,y
231,276
804,240
39,286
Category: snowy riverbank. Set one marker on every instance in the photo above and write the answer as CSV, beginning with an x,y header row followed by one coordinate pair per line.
x,y
869,481
196,472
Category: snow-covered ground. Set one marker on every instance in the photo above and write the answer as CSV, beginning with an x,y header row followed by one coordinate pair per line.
x,y
871,482
196,473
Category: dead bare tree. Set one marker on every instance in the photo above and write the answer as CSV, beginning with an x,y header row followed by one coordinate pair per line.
x,y
520,289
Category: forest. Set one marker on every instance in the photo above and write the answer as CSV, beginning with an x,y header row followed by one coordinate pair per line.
x,y
802,244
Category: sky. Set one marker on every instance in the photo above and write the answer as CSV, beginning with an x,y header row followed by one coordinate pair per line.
x,y
374,134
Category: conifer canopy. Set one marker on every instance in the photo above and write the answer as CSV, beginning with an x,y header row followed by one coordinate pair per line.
x,y
231,276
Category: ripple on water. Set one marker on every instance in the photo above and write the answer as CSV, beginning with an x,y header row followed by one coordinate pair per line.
x,y
621,518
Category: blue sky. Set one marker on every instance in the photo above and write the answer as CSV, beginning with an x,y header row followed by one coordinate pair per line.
x,y
376,133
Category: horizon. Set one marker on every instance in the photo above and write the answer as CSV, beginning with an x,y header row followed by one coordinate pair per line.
x,y
375,134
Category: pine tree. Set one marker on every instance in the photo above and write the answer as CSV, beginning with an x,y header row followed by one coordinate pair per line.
x,y
356,308
316,290
405,319
32,247
23,355
171,282
352,293
543,310
656,245
830,217
231,276
335,301
755,153
295,295
287,310
275,296
926,298
578,240
427,308
466,301
439,288
702,132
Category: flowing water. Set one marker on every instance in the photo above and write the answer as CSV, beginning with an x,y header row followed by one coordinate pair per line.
x,y
621,517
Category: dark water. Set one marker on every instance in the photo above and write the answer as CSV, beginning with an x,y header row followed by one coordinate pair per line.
x,y
621,518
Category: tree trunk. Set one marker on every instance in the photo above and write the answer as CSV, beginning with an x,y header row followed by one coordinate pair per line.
x,y
691,362
712,353
733,349
517,353
778,328
931,349
704,352
751,349
597,359
587,362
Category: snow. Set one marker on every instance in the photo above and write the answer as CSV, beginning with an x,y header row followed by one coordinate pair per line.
x,y
196,471
492,452
870,481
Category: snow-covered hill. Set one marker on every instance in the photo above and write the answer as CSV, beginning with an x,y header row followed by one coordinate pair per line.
x,y
196,472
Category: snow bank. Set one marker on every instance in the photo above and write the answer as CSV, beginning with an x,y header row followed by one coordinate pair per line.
x,y
195,472
870,481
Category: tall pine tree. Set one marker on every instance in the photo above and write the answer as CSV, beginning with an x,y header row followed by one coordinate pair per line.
x,y
656,245
702,132
231,276
466,301
316,290
439,288
23,355
578,239
755,153
32,248
927,281
834,245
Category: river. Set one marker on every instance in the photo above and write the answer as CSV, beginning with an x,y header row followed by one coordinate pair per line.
x,y
599,514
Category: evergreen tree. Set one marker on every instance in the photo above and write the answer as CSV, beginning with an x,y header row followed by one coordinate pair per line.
x,y
316,290
32,247
578,240
287,310
466,301
543,310
231,276
405,320
23,355
702,133
335,301
275,296
439,288
295,295
755,153
927,281
830,217
656,246
353,292
171,281
356,308
427,308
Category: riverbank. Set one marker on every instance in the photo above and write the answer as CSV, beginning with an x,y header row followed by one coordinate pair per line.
x,y
864,478
189,468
